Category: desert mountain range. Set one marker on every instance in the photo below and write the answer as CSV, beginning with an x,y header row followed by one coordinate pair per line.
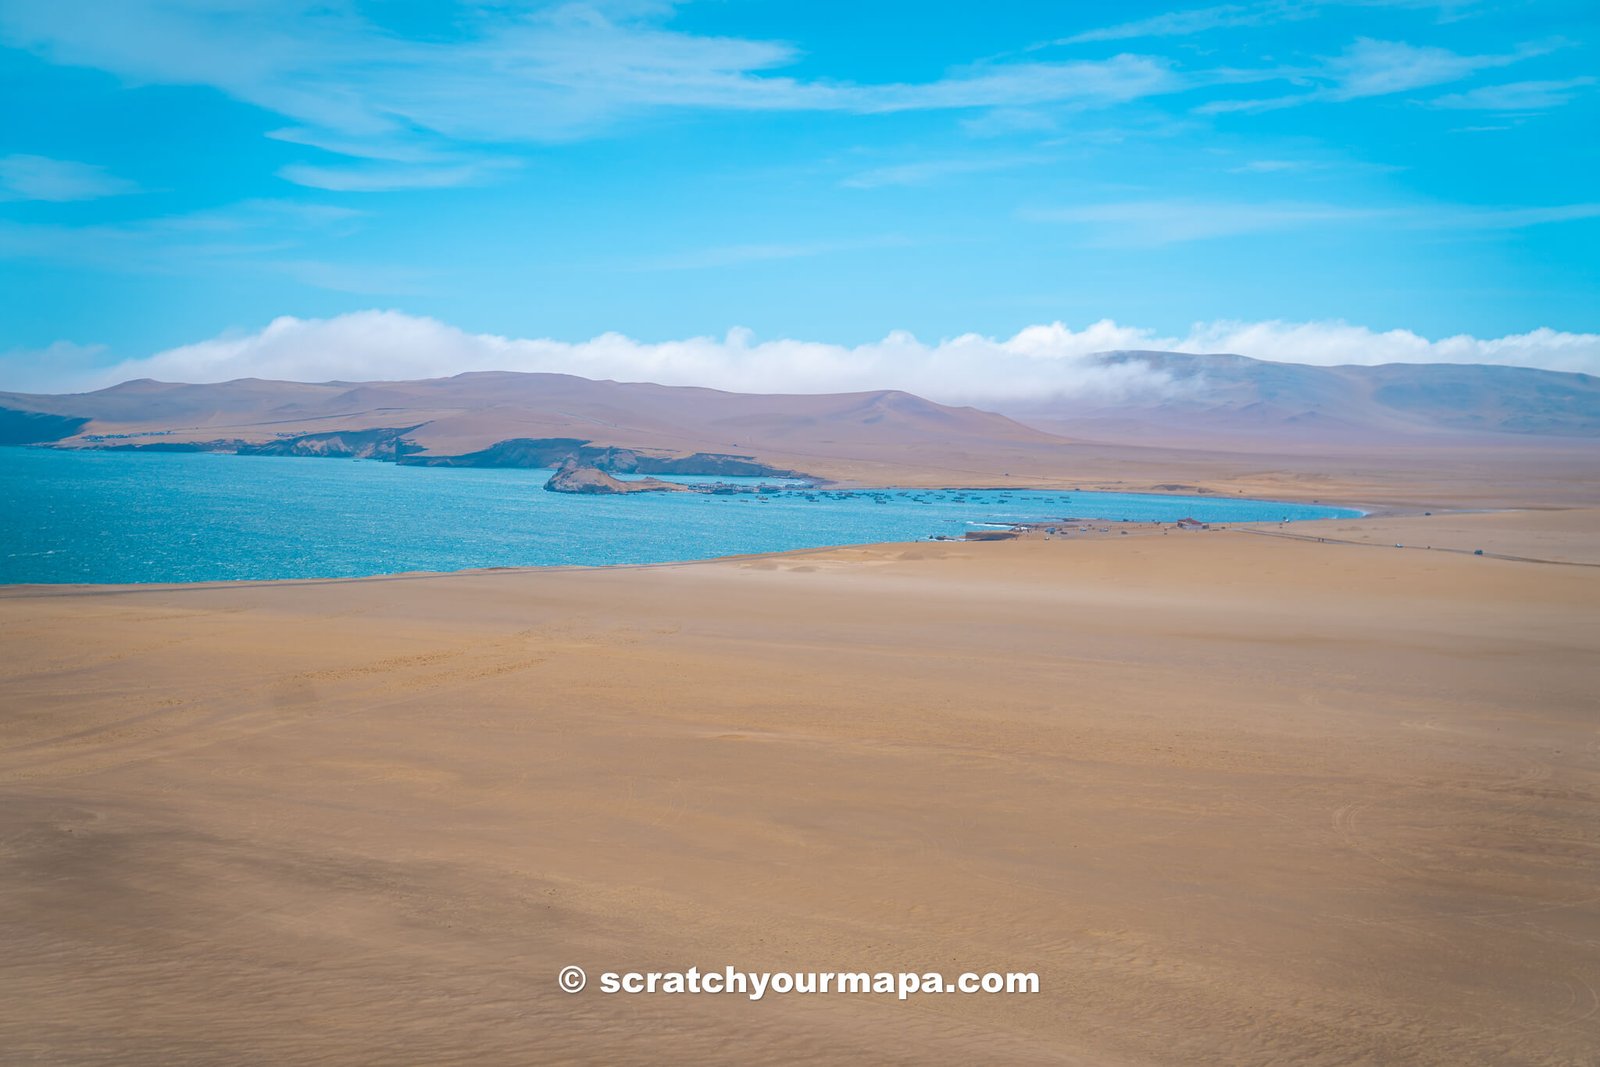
x,y
538,420
1236,397
516,420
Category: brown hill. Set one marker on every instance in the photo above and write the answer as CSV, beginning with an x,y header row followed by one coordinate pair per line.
x,y
511,419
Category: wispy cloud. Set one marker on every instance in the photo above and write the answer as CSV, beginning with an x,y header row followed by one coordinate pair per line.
x,y
1036,363
390,177
1501,218
149,247
1183,23
251,236
543,75
1518,96
1019,85
262,213
1151,223
55,368
1374,68
361,279
927,171
734,255
1311,166
24,177
1275,166
1005,121
1379,68
1198,20
390,150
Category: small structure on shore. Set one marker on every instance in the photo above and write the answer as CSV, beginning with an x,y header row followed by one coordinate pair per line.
x,y
1191,524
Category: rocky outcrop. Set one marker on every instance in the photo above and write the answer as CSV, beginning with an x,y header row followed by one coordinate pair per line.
x,y
231,445
537,452
573,478
524,452
393,445
36,427
727,466
384,443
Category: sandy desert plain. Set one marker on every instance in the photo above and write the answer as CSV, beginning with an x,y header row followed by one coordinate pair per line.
x,y
1237,798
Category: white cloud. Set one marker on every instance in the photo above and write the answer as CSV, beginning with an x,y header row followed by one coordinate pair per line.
x,y
1517,96
1019,85
1373,68
1037,363
1378,68
391,345
1148,223
24,177
1332,343
1181,23
543,75
369,178
1185,23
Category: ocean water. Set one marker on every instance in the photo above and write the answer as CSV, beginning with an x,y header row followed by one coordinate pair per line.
x,y
68,516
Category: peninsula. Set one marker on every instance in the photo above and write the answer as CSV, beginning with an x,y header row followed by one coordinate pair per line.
x,y
570,477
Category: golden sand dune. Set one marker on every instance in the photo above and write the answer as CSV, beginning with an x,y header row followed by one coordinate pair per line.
x,y
1236,798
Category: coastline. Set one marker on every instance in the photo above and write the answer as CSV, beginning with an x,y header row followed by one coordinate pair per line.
x,y
1522,526
153,519
1424,473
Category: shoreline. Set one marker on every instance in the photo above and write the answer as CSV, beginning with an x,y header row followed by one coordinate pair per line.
x,y
1420,473
1115,530
360,524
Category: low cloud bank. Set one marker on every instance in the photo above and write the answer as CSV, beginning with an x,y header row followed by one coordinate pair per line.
x,y
1038,362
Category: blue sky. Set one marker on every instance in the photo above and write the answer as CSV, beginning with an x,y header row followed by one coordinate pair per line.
x,y
178,170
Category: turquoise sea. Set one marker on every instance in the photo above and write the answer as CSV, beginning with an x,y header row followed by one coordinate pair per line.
x,y
70,516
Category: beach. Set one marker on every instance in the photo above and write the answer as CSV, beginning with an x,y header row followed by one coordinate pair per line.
x,y
1234,797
